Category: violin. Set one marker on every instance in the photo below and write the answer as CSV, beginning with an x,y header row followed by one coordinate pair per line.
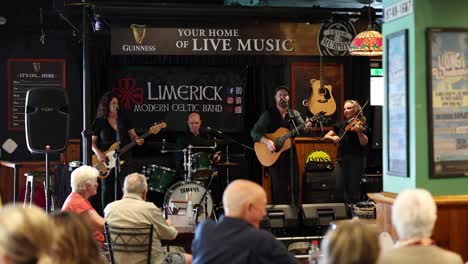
x,y
354,123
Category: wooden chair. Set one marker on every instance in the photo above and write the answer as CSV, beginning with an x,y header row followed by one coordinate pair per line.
x,y
129,244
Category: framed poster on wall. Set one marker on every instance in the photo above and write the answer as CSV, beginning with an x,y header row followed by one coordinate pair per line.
x,y
318,88
24,74
397,103
448,102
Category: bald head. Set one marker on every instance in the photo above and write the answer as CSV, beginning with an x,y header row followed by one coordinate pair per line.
x,y
246,200
194,123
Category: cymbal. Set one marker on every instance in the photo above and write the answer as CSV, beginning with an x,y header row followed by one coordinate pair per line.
x,y
228,163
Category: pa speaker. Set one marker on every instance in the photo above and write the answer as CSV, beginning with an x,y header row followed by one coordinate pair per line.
x,y
323,214
281,215
47,120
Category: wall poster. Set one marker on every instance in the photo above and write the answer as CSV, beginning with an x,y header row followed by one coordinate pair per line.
x,y
448,102
397,104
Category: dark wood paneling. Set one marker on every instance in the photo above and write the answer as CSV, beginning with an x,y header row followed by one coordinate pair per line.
x,y
7,170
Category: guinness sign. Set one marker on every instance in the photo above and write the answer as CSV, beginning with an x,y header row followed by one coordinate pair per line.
x,y
134,43
139,33
334,38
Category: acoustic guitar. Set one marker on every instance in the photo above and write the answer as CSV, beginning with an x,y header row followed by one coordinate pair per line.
x,y
321,99
104,167
282,141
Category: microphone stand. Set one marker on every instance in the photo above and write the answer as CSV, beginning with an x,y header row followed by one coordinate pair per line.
x,y
206,200
292,125
221,134
116,156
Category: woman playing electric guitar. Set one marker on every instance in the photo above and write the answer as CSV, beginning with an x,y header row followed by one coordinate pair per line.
x,y
351,137
105,128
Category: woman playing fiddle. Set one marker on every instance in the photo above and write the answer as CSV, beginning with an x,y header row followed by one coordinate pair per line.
x,y
351,137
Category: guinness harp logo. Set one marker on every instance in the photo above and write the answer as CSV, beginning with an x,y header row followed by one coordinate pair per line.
x,y
139,32
37,66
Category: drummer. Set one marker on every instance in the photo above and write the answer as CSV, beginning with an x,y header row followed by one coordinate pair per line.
x,y
194,136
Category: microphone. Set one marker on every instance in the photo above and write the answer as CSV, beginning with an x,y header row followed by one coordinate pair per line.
x,y
209,129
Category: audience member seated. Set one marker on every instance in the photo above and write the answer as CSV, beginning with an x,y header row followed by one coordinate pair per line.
x,y
73,240
351,242
84,184
414,214
236,238
25,235
133,211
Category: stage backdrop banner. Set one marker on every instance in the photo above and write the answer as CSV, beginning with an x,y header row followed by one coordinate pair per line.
x,y
169,93
290,39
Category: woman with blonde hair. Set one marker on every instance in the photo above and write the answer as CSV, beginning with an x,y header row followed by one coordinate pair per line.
x,y
351,242
73,240
25,235
351,137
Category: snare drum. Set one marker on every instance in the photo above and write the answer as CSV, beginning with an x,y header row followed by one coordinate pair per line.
x,y
201,166
159,178
180,192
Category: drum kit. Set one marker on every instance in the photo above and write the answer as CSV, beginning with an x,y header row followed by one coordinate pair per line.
x,y
199,172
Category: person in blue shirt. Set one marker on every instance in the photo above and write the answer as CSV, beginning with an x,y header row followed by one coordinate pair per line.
x,y
236,237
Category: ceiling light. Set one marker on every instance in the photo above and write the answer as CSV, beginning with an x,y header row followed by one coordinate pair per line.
x,y
367,43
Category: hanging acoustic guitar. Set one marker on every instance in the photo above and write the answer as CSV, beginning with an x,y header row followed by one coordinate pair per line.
x,y
321,99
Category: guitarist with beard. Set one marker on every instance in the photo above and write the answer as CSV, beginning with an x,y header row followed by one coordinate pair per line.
x,y
284,170
104,129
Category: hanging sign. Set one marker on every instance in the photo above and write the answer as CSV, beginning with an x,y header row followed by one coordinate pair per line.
x,y
295,39
334,38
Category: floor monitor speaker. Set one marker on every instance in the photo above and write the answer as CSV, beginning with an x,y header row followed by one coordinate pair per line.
x,y
47,120
323,214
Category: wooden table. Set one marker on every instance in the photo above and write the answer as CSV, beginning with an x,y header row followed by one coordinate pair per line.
x,y
184,239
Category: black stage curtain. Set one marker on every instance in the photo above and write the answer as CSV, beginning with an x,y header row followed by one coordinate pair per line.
x,y
265,73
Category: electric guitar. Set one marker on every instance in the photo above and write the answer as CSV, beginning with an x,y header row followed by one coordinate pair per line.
x,y
282,141
104,167
321,99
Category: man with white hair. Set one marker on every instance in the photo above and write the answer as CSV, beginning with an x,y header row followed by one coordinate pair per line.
x,y
133,211
414,214
84,185
236,238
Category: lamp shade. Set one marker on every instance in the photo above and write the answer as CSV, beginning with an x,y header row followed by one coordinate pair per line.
x,y
366,43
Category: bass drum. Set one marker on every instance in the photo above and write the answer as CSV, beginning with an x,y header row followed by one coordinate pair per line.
x,y
181,192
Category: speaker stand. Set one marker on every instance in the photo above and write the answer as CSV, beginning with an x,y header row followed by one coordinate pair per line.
x,y
47,183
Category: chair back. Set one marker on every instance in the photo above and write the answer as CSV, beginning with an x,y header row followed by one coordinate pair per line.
x,y
129,244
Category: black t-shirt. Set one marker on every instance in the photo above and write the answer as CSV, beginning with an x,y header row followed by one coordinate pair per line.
x,y
349,145
187,138
106,135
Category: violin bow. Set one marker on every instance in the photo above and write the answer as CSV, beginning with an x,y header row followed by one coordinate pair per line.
x,y
358,113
